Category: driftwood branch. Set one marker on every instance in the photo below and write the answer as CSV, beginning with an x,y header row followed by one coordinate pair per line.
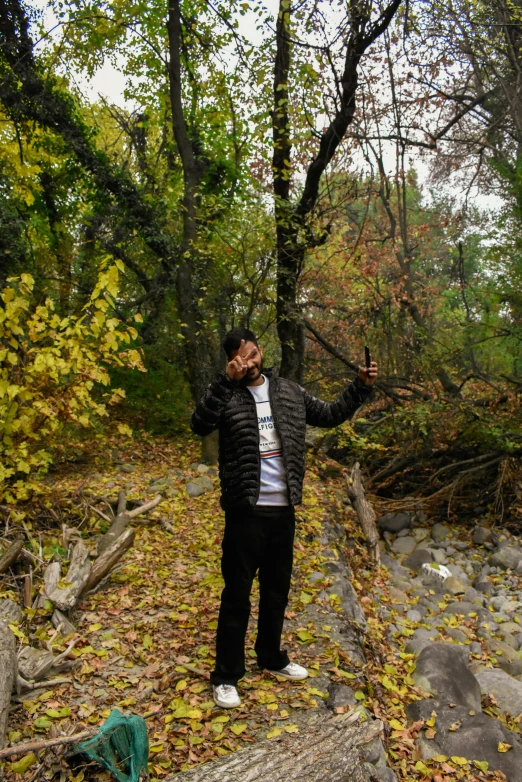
x,y
365,512
7,675
101,566
66,595
11,554
123,517
326,750
34,746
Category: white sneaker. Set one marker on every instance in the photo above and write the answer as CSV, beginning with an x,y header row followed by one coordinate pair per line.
x,y
226,696
292,671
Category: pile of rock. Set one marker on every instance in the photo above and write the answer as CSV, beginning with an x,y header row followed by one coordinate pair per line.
x,y
203,483
459,627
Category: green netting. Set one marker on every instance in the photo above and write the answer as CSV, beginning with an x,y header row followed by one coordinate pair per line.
x,y
121,745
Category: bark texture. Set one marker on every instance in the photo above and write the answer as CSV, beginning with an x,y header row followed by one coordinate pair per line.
x,y
7,676
11,554
107,560
365,512
324,752
66,596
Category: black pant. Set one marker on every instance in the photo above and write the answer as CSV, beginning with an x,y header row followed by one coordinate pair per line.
x,y
255,539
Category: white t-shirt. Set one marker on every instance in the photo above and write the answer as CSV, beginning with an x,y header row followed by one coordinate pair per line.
x,y
273,489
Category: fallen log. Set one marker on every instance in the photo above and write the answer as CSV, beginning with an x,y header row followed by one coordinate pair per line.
x,y
122,519
101,566
7,675
326,750
365,512
11,554
64,594
34,664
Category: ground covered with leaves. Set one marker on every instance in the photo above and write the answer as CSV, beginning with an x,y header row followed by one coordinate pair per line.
x,y
146,629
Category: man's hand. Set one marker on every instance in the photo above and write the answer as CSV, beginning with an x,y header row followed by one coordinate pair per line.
x,y
238,367
368,374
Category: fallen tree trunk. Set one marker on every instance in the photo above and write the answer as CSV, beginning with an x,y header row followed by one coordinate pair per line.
x,y
11,554
101,566
123,517
365,512
326,750
7,675
66,596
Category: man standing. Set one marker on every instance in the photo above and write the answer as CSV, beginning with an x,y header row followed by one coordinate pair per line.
x,y
262,421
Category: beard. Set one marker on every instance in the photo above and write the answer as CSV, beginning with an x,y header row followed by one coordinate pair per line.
x,y
252,375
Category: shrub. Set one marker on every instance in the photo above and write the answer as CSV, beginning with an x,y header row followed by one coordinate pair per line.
x,y
54,372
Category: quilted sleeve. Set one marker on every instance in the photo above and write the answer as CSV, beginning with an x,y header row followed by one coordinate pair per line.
x,y
207,413
329,414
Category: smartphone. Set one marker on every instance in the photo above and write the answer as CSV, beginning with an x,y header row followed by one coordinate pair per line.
x,y
367,356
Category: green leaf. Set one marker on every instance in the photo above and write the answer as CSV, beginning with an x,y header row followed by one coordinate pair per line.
x,y
21,766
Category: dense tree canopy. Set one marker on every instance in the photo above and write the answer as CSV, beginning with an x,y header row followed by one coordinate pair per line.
x,y
319,172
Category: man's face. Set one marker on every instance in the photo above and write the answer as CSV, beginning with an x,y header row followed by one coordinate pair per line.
x,y
255,361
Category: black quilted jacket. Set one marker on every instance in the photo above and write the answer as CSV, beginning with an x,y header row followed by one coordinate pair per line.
x,y
231,408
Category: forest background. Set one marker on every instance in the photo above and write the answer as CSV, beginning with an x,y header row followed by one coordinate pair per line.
x,y
329,174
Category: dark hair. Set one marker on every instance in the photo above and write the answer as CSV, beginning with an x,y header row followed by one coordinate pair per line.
x,y
233,339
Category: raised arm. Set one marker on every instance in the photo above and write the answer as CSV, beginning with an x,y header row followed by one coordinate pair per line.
x,y
329,414
205,417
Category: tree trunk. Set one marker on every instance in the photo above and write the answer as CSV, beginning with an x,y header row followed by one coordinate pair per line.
x,y
324,752
210,448
365,512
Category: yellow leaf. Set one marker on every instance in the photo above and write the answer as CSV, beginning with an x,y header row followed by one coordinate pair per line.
x,y
396,725
291,729
459,761
274,733
181,685
238,727
439,758
503,747
419,766
431,721
482,765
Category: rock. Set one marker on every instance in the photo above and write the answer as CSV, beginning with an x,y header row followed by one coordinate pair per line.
x,y
500,650
202,468
442,671
457,635
518,637
454,586
373,753
194,489
127,468
450,551
439,532
417,558
394,522
462,607
10,611
398,596
472,596
420,516
420,533
316,576
506,690
476,738
475,648
420,639
400,582
402,533
482,584
351,607
340,695
382,773
439,557
480,535
460,545
403,545
513,668
505,558
509,628
413,615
